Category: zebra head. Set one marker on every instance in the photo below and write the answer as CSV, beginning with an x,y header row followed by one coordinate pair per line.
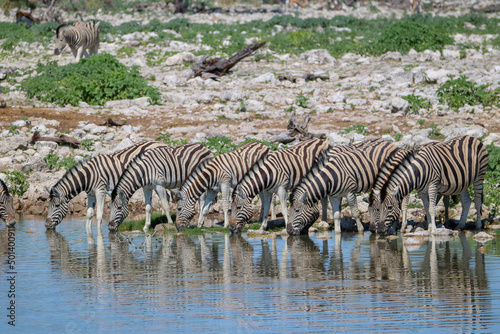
x,y
7,212
242,211
374,210
118,208
185,211
302,215
59,39
390,211
58,208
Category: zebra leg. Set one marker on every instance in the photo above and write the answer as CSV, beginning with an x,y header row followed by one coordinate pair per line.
x,y
148,196
404,213
353,203
164,198
226,200
446,203
432,201
324,209
209,199
79,53
336,203
100,198
273,206
478,202
465,198
90,210
284,208
424,196
266,200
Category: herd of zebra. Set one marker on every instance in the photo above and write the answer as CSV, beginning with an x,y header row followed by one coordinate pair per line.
x,y
312,171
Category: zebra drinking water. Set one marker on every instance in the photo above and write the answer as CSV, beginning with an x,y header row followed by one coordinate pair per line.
x,y
80,37
155,169
447,169
7,212
343,174
277,172
95,177
220,175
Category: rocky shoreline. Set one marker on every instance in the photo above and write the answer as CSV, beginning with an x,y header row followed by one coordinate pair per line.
x,y
250,102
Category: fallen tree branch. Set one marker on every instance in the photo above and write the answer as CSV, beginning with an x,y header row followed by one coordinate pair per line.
x,y
300,130
112,122
217,67
62,139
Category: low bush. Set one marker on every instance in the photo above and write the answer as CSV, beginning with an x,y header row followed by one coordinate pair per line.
x,y
460,91
95,80
17,182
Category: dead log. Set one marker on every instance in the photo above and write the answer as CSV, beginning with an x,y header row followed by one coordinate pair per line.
x,y
300,130
312,76
62,139
287,77
217,67
112,122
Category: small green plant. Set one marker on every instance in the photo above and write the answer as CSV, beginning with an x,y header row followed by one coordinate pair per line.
x,y
13,129
52,160
243,107
17,181
165,138
358,128
416,102
398,136
87,144
434,132
301,101
491,191
219,144
125,51
460,91
421,121
55,163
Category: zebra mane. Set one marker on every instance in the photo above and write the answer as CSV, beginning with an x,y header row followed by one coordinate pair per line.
x,y
70,173
251,173
194,174
62,27
4,188
392,170
131,166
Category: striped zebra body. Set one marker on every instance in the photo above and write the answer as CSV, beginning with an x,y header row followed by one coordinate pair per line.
x,y
277,172
155,169
80,37
95,177
343,174
220,175
7,212
447,169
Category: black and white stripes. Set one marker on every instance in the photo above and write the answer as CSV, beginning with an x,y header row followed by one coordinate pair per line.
x,y
220,175
342,174
278,172
94,177
80,37
155,169
448,168
7,212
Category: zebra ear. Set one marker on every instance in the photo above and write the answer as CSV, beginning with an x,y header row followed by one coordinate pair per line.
x,y
303,197
47,189
121,195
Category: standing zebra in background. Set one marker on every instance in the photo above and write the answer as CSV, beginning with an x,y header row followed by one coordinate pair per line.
x,y
7,212
95,177
220,175
155,169
80,36
343,174
277,172
449,168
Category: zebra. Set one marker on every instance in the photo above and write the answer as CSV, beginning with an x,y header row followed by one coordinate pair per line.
x,y
7,212
221,174
95,176
80,36
277,172
449,168
342,174
158,168
386,172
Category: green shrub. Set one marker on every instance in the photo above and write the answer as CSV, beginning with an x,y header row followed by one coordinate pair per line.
x,y
219,144
165,138
405,35
95,80
491,193
416,102
87,144
301,101
55,163
434,132
17,181
460,91
358,128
